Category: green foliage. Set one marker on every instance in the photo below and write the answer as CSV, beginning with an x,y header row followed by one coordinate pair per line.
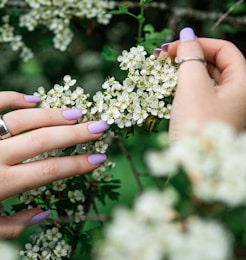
x,y
152,39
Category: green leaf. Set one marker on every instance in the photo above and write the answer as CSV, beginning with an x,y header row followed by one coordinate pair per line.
x,y
123,9
153,39
149,28
109,54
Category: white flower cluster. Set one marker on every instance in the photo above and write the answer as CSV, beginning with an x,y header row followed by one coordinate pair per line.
x,y
76,195
7,36
2,3
55,15
214,160
61,96
147,90
149,231
49,245
78,215
29,196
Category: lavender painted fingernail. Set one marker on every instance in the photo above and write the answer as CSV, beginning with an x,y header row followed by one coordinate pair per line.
x,y
187,34
98,127
164,46
97,158
39,217
32,98
157,52
72,114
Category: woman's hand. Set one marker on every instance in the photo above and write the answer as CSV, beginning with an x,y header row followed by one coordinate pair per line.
x,y
200,99
35,131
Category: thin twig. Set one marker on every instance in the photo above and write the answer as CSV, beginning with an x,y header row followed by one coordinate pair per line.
x,y
226,14
176,10
132,165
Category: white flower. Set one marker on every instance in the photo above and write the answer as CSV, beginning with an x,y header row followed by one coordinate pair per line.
x,y
76,195
68,81
79,214
201,240
59,185
110,115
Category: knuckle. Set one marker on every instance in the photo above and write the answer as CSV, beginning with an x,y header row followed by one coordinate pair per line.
x,y
49,169
12,234
51,114
39,139
13,122
54,116
77,133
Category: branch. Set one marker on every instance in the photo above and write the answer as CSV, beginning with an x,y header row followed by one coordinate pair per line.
x,y
223,17
177,11
192,13
132,165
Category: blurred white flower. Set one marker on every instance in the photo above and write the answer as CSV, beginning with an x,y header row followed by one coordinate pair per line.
x,y
8,251
214,160
149,231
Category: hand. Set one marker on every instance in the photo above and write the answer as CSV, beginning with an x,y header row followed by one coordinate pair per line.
x,y
42,130
200,99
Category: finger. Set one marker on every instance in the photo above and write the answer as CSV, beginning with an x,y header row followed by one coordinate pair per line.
x,y
46,139
22,120
214,73
36,174
227,58
12,226
223,55
12,99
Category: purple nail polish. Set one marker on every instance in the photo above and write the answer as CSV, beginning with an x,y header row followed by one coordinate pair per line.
x,y
98,127
157,52
187,34
164,46
32,98
72,114
97,158
39,217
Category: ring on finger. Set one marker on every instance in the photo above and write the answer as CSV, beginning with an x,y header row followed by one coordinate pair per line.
x,y
4,132
190,58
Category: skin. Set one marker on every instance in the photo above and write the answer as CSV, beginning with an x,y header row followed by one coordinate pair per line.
x,y
44,125
198,99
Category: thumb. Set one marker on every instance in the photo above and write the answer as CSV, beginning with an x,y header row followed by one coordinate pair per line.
x,y
12,226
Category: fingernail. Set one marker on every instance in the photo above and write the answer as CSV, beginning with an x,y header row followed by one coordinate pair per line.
x,y
72,114
164,46
98,127
157,52
187,34
97,158
41,216
32,98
